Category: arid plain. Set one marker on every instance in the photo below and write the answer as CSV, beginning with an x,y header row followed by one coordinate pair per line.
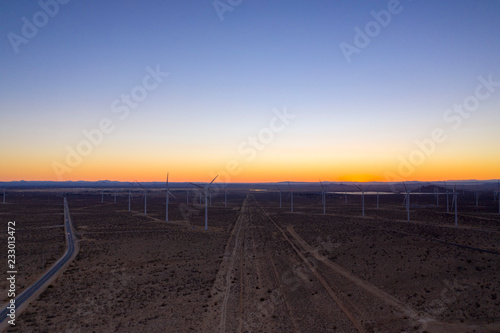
x,y
259,268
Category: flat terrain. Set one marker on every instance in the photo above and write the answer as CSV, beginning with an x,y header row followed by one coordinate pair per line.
x,y
260,268
39,235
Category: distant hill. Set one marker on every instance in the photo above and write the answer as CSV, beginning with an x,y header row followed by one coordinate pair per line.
x,y
482,185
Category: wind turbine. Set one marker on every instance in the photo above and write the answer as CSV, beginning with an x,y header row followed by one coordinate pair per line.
x,y
407,200
477,194
323,197
167,197
145,197
345,193
206,188
455,202
447,200
362,198
291,196
436,191
497,193
4,195
280,194
102,196
225,197
129,200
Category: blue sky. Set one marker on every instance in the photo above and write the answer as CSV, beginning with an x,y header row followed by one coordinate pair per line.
x,y
226,77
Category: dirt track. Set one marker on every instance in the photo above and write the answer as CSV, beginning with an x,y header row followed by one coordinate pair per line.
x,y
272,280
263,269
255,294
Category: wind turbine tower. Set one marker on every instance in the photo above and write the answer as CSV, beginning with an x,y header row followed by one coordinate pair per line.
x,y
447,200
280,194
362,199
345,193
407,199
291,196
477,194
206,188
455,201
323,197
145,198
129,200
168,193
497,193
436,190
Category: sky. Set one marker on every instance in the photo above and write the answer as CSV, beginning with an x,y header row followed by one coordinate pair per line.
x,y
255,91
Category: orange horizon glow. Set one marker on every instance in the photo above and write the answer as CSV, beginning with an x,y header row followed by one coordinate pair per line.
x,y
197,178
147,167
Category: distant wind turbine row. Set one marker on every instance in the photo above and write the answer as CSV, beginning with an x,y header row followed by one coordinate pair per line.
x,y
207,190
406,202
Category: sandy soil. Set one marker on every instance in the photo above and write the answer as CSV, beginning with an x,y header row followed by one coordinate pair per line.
x,y
263,269
39,235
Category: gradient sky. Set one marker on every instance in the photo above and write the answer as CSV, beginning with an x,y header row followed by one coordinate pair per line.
x,y
354,121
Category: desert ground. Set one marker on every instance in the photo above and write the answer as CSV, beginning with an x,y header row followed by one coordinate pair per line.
x,y
258,267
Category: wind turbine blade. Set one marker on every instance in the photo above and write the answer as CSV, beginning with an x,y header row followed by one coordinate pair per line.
x,y
197,186
140,185
214,179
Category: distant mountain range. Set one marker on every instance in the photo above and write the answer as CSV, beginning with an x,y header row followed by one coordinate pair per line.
x,y
484,185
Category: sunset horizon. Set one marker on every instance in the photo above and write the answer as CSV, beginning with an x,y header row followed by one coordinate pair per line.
x,y
383,91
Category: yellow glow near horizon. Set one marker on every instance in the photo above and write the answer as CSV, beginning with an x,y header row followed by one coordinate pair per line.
x,y
147,166
156,170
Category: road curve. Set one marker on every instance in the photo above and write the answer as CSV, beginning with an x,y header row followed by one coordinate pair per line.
x,y
31,293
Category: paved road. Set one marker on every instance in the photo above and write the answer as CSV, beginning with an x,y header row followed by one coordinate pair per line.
x,y
28,295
